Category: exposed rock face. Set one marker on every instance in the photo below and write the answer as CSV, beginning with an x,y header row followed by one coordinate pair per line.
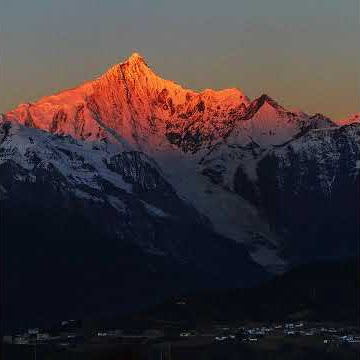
x,y
309,189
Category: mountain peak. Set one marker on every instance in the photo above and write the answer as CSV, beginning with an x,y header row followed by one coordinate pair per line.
x,y
135,64
319,116
135,59
264,98
259,104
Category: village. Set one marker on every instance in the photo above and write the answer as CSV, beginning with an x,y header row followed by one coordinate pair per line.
x,y
70,335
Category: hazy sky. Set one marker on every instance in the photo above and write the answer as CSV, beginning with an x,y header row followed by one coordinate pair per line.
x,y
304,53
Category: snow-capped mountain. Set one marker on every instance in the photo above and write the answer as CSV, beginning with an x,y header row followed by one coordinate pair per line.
x,y
209,145
133,102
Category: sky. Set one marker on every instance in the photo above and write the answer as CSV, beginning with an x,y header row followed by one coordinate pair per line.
x,y
305,54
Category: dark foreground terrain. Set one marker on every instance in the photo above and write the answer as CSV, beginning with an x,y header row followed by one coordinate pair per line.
x,y
325,291
311,312
197,348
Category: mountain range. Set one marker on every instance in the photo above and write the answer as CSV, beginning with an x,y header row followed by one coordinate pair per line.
x,y
130,183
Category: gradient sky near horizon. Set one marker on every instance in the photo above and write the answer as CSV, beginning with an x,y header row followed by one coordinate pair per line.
x,y
305,54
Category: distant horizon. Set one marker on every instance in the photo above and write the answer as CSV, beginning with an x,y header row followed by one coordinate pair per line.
x,y
304,55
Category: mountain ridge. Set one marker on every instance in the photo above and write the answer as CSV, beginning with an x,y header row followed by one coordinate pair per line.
x,y
209,144
132,69
122,85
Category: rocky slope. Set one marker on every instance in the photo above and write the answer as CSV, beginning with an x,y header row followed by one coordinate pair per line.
x,y
309,189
